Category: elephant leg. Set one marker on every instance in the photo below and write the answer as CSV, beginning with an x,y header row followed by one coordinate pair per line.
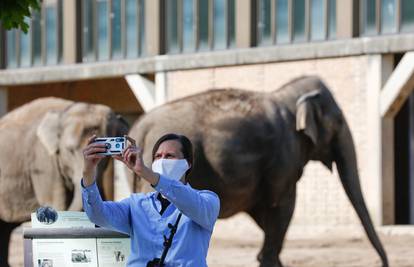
x,y
76,204
5,233
274,222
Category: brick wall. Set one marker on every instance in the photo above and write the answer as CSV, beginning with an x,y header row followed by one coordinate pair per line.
x,y
321,199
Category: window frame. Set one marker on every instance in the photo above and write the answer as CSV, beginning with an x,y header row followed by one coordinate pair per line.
x,y
109,19
58,6
378,15
196,32
290,29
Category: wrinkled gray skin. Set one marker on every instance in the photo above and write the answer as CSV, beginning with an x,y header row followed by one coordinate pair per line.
x,y
251,149
41,157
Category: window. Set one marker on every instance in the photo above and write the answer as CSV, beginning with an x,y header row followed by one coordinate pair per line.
x,y
36,31
103,29
299,17
112,29
87,31
332,19
219,24
264,22
199,25
42,45
51,34
388,16
407,16
11,48
231,22
282,21
134,28
369,8
203,27
317,21
286,21
25,59
188,26
116,29
172,26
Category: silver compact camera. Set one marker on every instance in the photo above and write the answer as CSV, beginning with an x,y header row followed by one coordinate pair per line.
x,y
114,145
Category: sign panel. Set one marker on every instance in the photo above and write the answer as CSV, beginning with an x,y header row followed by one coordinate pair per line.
x,y
64,252
79,250
113,252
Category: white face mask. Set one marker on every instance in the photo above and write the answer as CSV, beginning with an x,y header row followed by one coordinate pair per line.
x,y
172,169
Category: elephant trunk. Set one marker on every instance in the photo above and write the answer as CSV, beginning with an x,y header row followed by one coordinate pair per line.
x,y
345,159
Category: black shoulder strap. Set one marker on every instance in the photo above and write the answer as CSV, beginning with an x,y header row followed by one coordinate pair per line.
x,y
168,241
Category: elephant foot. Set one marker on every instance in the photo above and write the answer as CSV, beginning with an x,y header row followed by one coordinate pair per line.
x,y
271,264
269,261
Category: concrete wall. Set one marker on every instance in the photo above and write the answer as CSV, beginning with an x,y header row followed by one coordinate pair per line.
x,y
321,200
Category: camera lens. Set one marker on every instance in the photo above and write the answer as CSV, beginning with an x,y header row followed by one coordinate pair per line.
x,y
107,145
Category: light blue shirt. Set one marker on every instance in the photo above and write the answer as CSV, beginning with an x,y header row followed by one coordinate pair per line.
x,y
139,217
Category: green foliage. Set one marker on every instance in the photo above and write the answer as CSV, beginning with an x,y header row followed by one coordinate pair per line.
x,y
13,13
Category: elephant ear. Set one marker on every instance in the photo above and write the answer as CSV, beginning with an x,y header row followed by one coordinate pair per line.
x,y
72,134
306,115
48,132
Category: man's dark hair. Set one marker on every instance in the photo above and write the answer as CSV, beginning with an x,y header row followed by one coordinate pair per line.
x,y
186,147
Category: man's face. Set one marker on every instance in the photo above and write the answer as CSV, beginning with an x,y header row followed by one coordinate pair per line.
x,y
170,149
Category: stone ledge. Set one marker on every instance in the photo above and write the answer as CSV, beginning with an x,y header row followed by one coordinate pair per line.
x,y
256,55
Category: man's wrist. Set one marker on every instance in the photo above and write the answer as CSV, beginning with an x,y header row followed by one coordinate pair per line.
x,y
87,182
156,179
89,172
88,178
150,176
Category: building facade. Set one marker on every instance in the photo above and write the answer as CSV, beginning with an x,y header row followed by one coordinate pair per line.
x,y
136,54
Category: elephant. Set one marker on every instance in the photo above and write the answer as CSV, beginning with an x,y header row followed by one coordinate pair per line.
x,y
251,148
46,215
41,157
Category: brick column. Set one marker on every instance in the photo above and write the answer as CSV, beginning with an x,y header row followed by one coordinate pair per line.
x,y
71,31
379,187
153,27
245,21
347,19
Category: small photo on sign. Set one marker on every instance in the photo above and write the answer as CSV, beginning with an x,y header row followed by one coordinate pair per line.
x,y
119,256
45,263
46,215
81,255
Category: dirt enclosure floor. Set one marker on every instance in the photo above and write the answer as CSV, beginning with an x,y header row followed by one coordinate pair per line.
x,y
236,241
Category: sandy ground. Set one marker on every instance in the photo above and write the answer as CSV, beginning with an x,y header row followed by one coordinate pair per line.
x,y
236,242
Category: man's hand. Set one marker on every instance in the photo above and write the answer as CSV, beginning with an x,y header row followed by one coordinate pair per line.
x,y
132,157
91,160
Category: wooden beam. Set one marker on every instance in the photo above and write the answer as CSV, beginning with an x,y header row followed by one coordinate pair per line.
x,y
398,87
143,89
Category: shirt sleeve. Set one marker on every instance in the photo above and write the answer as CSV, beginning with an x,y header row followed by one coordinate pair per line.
x,y
108,214
201,206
